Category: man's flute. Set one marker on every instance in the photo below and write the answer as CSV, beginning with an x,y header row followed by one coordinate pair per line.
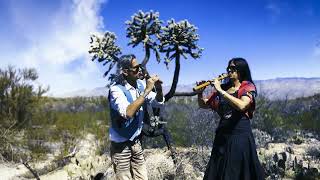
x,y
223,76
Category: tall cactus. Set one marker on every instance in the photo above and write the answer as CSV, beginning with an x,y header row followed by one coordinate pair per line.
x,y
174,40
178,39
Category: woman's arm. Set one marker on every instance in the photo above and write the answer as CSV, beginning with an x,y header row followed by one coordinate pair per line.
x,y
202,102
240,104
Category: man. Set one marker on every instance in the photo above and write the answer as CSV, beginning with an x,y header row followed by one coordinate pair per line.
x,y
127,96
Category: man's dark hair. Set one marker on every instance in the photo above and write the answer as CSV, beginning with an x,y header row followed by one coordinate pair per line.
x,y
124,62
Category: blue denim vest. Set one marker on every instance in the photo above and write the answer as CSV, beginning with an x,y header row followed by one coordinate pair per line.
x,y
126,128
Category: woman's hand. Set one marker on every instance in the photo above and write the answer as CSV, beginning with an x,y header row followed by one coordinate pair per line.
x,y
217,84
202,102
200,91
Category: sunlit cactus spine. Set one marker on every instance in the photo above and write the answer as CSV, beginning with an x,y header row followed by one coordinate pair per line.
x,y
104,49
145,27
179,39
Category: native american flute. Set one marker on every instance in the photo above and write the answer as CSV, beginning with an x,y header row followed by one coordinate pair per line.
x,y
207,83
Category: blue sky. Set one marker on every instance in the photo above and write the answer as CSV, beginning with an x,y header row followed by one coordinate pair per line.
x,y
278,38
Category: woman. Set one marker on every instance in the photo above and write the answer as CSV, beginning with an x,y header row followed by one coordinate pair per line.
x,y
234,154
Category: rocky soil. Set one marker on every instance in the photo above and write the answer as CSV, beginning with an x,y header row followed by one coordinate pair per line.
x,y
290,160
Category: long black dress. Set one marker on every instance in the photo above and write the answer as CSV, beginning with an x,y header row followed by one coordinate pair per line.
x,y
234,154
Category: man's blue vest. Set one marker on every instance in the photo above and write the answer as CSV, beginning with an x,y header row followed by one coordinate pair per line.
x,y
125,127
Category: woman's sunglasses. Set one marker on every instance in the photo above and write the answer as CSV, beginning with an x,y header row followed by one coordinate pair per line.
x,y
231,69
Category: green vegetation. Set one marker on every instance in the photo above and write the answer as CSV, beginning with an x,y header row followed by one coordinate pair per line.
x,y
292,115
178,129
70,125
31,125
190,125
19,105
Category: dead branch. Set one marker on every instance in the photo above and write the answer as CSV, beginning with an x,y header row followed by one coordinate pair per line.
x,y
35,174
185,93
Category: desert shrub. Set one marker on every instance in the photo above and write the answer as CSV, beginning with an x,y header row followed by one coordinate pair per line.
x,y
314,152
302,114
19,105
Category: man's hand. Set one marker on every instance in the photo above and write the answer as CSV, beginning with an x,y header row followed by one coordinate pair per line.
x,y
133,107
150,83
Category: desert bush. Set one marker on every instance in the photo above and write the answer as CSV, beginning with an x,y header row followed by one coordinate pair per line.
x,y
302,114
314,152
19,105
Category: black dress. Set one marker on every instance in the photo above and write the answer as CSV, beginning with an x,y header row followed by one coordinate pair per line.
x,y
234,154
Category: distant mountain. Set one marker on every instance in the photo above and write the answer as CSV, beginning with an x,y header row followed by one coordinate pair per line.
x,y
279,88
291,88
99,91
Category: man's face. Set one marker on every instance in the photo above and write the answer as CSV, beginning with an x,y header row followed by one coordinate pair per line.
x,y
135,70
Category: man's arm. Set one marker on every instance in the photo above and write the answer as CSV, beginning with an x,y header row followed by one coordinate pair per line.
x,y
156,99
133,107
120,103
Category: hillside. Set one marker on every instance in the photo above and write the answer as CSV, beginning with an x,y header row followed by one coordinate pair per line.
x,y
279,88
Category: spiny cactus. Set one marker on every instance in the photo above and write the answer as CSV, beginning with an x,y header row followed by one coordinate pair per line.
x,y
179,39
175,40
104,48
143,28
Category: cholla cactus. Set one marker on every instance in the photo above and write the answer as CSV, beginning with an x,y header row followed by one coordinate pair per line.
x,y
175,40
179,39
105,49
143,28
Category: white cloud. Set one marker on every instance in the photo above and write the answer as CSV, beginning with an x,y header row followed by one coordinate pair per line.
x,y
274,10
316,51
58,44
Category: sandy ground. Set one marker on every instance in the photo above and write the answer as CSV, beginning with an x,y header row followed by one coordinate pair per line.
x,y
56,175
159,162
8,171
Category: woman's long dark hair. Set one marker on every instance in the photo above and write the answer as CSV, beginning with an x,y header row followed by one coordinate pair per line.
x,y
242,67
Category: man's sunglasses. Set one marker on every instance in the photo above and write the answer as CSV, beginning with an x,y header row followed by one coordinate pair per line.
x,y
136,68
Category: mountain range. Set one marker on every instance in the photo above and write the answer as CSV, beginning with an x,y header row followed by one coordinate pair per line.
x,y
278,88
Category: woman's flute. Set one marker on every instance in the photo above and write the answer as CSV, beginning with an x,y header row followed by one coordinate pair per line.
x,y
223,76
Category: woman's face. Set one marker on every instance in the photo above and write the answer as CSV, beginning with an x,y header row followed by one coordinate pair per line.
x,y
232,72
